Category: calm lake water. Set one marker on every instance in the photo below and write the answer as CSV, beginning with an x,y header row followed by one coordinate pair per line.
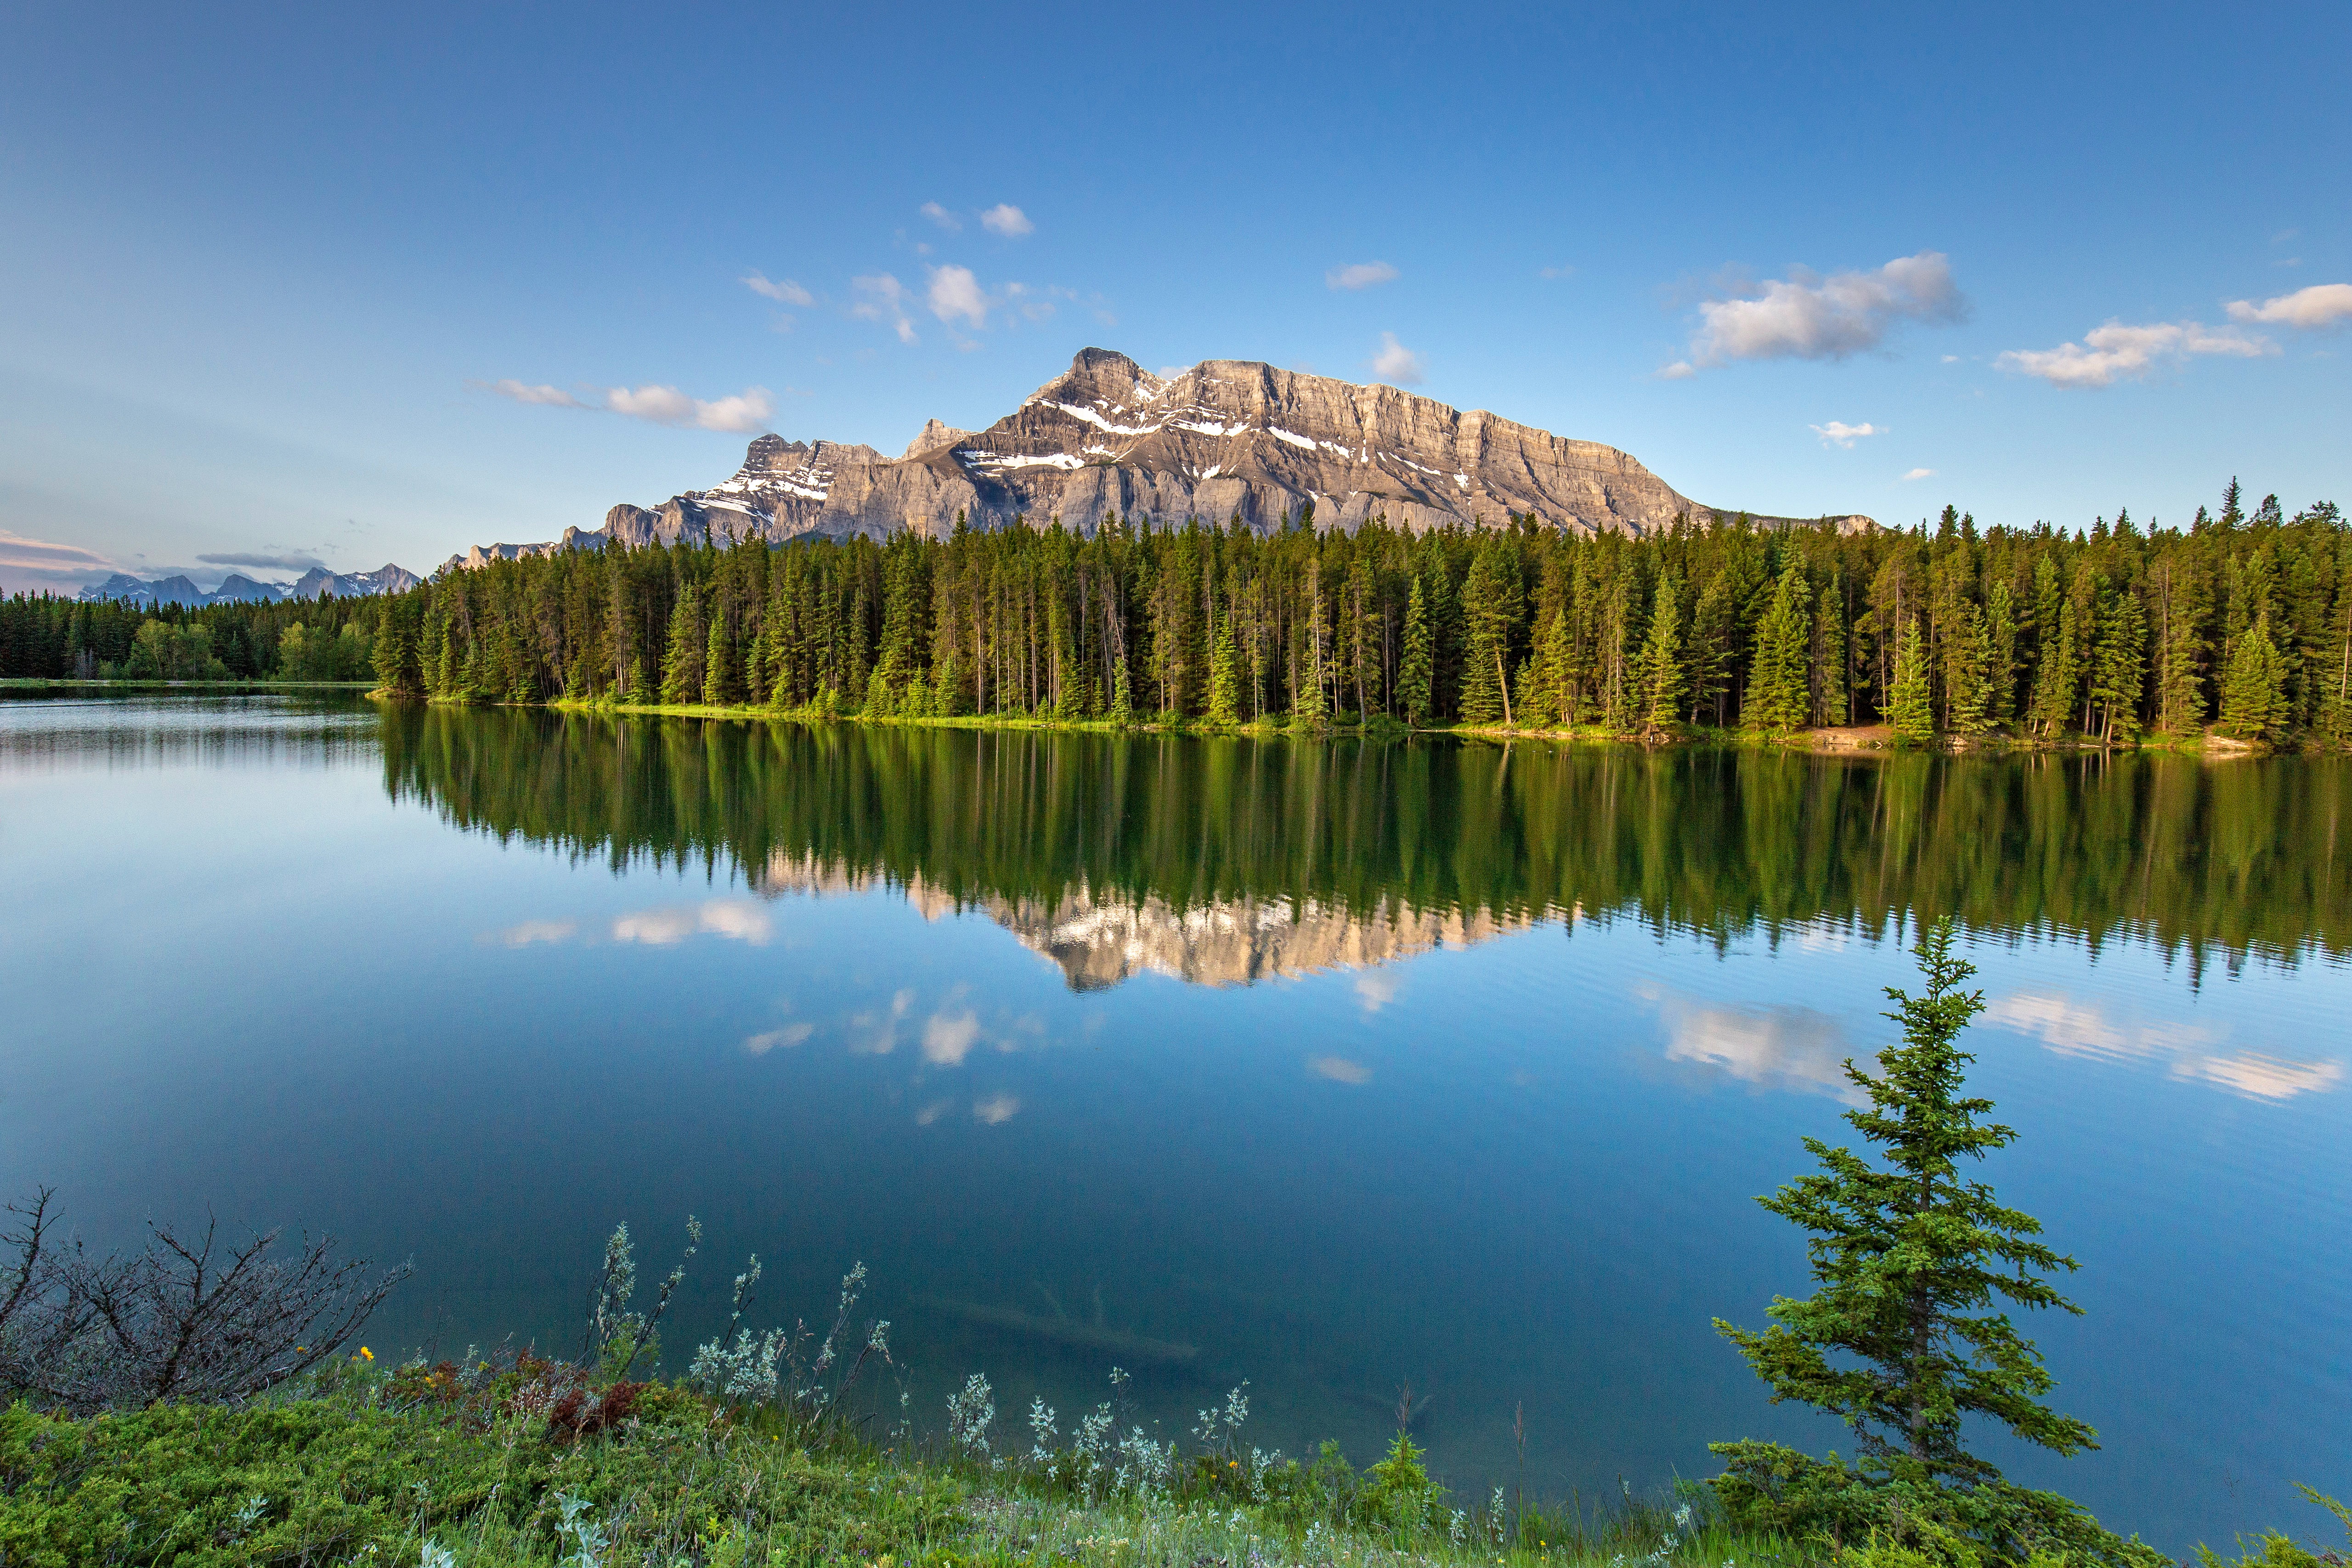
x,y
1343,1065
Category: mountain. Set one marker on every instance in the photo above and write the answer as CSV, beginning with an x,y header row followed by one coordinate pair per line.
x,y
238,589
1226,438
385,578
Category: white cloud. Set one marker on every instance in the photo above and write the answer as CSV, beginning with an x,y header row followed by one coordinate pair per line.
x,y
531,931
2072,1027
791,1035
994,1111
941,216
783,290
1339,1070
1919,474
1397,364
948,1038
746,410
543,394
2321,304
737,919
2116,351
882,297
1008,220
1556,272
1360,274
1845,435
1803,317
955,294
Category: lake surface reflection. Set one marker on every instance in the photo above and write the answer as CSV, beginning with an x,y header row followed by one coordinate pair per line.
x,y
1329,1066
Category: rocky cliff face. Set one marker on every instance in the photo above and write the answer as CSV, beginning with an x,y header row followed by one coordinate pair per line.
x,y
1228,438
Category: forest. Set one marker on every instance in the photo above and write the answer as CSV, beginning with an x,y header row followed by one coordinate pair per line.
x,y
2241,622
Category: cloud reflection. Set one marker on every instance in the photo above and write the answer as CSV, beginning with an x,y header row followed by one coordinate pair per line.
x,y
2080,1029
737,919
531,931
1339,1070
1785,1048
994,1111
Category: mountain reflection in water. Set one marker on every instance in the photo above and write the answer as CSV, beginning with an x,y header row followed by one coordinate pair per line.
x,y
1227,861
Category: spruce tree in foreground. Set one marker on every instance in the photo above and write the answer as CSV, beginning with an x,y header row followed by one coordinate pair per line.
x,y
1906,1340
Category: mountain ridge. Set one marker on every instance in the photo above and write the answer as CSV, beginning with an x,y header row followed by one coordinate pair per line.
x,y
238,589
1226,439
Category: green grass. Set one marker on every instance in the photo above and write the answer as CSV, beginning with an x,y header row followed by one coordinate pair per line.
x,y
345,1474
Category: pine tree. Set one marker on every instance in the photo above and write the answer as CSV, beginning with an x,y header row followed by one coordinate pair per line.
x,y
2254,692
1967,656
719,685
1224,674
2120,673
681,678
397,667
1658,672
1492,603
1904,1338
1827,676
1122,700
2061,675
1777,697
2001,653
1415,672
1909,710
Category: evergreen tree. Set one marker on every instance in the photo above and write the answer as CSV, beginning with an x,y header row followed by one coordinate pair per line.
x,y
1492,603
719,685
2254,692
1778,697
1904,1339
1416,672
681,677
1658,672
1706,649
1967,656
2121,671
1827,675
398,670
1909,710
2061,675
2001,653
1224,674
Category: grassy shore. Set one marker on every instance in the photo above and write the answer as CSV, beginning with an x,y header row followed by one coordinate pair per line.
x,y
365,1467
1872,738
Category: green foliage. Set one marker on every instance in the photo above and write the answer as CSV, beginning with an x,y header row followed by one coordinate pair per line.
x,y
1913,713
1399,1493
2276,1549
2253,696
1658,674
2115,631
1778,696
1904,1339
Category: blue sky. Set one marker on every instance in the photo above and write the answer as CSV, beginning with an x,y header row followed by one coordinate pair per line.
x,y
266,268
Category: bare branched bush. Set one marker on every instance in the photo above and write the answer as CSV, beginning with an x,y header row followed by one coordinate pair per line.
x,y
185,1318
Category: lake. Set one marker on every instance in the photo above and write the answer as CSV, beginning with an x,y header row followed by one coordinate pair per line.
x,y
1334,1066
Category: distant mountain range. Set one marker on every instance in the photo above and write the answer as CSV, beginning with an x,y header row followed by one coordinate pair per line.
x,y
238,589
1226,438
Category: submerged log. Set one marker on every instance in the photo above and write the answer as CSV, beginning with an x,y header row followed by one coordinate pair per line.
x,y
1064,1331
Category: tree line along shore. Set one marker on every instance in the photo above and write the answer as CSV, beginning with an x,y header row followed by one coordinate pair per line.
x,y
2237,626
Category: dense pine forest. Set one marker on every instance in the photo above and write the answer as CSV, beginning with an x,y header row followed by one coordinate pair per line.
x,y
2242,621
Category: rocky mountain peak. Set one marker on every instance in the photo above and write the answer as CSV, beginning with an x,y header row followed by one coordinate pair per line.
x,y
1226,439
